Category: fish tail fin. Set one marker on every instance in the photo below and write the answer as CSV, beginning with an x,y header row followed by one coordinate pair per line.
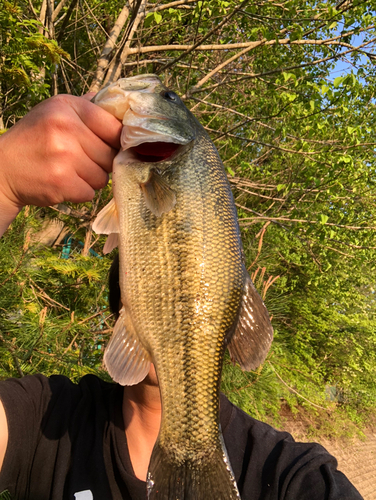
x,y
204,478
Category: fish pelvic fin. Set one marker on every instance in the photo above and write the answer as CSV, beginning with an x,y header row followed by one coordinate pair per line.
x,y
253,334
206,478
159,197
111,243
125,358
107,222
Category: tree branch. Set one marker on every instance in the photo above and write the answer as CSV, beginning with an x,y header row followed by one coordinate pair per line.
x,y
42,15
216,28
171,5
304,221
33,10
286,41
66,20
281,70
58,8
108,48
114,70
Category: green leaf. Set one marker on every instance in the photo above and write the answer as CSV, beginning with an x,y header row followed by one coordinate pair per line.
x,y
323,219
288,76
148,19
337,81
157,17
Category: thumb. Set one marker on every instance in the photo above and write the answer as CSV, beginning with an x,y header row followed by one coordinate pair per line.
x,y
89,96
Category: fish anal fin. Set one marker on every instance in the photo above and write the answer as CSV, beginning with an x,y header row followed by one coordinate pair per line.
x,y
253,334
159,197
111,243
107,220
125,358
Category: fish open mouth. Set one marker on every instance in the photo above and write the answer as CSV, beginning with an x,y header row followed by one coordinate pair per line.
x,y
152,152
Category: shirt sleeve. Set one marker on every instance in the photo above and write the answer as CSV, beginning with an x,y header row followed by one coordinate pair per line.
x,y
308,472
28,402
269,464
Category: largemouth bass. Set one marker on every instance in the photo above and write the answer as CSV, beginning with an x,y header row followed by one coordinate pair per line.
x,y
185,291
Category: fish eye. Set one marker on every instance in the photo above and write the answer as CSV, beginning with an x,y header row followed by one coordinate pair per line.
x,y
170,96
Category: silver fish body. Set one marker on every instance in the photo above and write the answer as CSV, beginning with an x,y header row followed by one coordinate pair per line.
x,y
185,291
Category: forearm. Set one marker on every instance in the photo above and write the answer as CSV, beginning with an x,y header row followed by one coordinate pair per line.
x,y
8,209
6,218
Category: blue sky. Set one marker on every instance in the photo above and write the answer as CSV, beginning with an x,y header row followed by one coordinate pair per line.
x,y
344,67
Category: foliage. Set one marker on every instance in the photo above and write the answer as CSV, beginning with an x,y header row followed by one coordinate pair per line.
x,y
55,316
297,140
25,56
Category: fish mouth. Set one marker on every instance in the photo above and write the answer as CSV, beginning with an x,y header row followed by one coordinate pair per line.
x,y
155,152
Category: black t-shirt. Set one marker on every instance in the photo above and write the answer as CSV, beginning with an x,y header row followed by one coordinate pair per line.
x,y
67,441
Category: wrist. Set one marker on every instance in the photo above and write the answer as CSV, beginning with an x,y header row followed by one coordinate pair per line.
x,y
8,212
8,207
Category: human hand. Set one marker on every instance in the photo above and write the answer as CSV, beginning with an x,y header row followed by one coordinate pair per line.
x,y
62,150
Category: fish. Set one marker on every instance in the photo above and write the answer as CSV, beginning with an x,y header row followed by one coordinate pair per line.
x,y
185,291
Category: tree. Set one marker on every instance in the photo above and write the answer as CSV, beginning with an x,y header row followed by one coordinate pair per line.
x,y
298,145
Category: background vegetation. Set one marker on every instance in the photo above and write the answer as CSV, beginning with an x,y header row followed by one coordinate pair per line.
x,y
286,91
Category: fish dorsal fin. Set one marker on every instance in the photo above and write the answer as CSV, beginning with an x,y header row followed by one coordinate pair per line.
x,y
159,197
111,243
125,358
107,221
253,335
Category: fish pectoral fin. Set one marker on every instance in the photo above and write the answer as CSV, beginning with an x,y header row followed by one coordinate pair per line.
x,y
107,221
159,197
253,334
125,358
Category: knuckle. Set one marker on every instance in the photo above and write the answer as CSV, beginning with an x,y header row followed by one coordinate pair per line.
x,y
55,199
58,145
62,100
58,176
60,117
58,123
101,181
100,185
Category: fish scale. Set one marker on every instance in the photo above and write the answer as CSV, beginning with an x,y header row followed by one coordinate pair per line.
x,y
185,291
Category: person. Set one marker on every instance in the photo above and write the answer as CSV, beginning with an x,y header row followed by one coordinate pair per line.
x,y
94,439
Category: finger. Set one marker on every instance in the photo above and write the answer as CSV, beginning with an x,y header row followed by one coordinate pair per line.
x,y
68,131
89,95
99,121
76,190
92,174
97,150
80,192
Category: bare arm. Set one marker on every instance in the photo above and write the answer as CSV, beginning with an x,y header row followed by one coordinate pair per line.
x,y
3,434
